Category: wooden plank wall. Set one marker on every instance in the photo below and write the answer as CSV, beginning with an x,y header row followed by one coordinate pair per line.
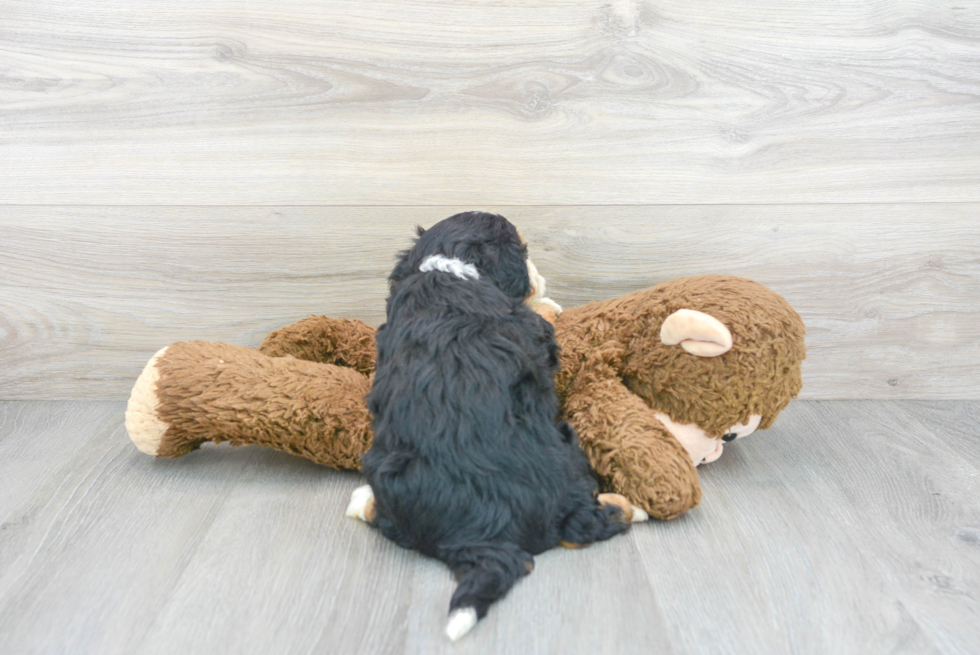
x,y
889,292
174,170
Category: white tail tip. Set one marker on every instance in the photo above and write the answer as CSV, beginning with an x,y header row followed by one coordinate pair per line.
x,y
461,621
359,501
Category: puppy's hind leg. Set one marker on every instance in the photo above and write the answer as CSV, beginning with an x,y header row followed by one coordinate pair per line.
x,y
361,505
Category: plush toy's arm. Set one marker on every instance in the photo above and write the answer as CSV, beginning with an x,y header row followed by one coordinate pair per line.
x,y
339,341
199,391
630,449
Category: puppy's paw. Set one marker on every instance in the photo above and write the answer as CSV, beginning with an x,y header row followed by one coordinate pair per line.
x,y
546,308
547,304
631,512
639,516
361,505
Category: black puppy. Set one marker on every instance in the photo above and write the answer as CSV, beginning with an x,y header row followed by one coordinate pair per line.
x,y
468,464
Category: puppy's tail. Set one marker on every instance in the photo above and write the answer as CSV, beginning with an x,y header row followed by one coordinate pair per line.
x,y
485,572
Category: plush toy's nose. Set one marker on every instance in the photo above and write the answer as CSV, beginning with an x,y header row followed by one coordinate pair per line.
x,y
731,436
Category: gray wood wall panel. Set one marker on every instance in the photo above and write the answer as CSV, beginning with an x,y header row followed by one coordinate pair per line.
x,y
890,293
849,527
421,102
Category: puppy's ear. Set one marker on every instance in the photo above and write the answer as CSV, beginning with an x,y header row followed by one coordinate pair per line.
x,y
510,273
403,267
405,263
500,260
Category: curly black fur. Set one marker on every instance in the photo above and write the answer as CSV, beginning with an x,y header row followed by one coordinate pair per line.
x,y
468,464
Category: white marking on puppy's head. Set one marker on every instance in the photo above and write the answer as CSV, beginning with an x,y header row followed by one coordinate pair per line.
x,y
455,266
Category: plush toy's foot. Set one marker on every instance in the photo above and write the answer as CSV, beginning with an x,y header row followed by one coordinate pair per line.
x,y
632,513
148,429
142,418
361,505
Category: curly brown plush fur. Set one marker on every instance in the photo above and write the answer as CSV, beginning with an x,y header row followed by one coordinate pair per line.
x,y
616,374
339,341
198,391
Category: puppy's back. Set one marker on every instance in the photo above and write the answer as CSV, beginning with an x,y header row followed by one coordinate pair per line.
x,y
467,464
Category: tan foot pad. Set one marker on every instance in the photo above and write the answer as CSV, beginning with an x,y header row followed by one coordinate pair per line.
x,y
568,544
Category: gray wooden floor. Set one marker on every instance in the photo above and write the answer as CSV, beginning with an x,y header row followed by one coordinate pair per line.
x,y
850,527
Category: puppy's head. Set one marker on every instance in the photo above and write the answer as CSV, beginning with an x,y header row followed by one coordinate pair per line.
x,y
489,242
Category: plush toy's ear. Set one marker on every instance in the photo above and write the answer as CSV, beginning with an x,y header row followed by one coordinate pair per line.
x,y
697,333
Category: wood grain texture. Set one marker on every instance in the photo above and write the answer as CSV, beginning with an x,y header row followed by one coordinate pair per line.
x,y
29,435
472,102
888,292
849,527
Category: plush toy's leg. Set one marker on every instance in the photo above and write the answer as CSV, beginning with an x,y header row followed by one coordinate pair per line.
x,y
630,449
198,391
340,341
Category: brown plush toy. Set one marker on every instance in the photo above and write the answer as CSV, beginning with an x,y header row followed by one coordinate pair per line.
x,y
654,382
